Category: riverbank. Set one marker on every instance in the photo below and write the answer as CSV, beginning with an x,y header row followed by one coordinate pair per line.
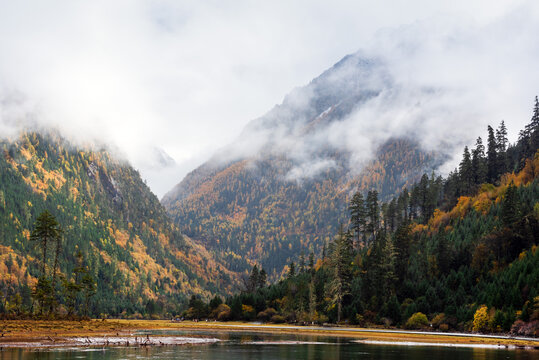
x,y
29,333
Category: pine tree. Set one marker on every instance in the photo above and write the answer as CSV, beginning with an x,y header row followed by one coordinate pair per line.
x,y
301,262
89,289
479,166
358,215
492,160
402,205
501,137
253,281
502,143
535,126
466,173
46,229
510,210
291,270
390,215
262,278
311,263
373,213
312,301
58,243
42,293
341,261
422,195
388,267
402,241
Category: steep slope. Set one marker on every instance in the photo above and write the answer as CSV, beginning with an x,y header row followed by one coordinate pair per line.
x,y
108,213
283,186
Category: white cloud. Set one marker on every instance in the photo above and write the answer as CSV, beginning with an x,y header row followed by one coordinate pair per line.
x,y
187,76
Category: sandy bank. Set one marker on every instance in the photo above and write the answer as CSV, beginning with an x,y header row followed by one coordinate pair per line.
x,y
123,332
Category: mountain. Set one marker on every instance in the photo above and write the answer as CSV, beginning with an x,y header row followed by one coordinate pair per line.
x,y
434,257
134,252
284,185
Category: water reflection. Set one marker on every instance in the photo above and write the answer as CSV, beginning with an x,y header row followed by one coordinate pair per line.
x,y
245,345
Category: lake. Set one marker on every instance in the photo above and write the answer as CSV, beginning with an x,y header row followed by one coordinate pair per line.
x,y
247,345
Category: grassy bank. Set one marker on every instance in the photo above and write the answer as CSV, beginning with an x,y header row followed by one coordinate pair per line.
x,y
37,332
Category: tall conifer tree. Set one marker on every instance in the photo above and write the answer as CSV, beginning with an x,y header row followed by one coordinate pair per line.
x,y
492,161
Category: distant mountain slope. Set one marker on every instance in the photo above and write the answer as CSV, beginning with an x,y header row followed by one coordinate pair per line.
x,y
284,185
110,215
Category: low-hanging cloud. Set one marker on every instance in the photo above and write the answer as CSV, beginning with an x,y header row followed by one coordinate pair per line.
x,y
436,81
185,77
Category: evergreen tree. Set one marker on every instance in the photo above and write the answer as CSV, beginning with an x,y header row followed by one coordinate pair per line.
x,y
529,137
42,293
46,229
502,143
510,210
312,301
402,205
262,278
253,281
479,166
390,215
534,128
358,215
311,262
58,248
466,173
422,196
291,270
89,289
501,137
402,241
373,213
72,287
341,261
301,262
492,160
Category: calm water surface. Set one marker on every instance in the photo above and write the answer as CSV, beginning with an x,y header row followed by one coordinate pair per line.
x,y
244,345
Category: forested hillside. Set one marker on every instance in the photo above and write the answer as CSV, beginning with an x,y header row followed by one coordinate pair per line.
x,y
113,226
456,253
283,186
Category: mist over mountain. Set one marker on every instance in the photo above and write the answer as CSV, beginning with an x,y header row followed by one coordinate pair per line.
x,y
283,186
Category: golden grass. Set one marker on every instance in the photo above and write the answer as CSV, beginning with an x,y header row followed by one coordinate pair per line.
x,y
30,330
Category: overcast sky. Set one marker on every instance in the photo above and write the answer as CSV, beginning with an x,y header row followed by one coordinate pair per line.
x,y
186,76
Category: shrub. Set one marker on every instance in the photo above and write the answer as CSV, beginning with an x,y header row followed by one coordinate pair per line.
x,y
360,320
417,321
438,320
277,319
248,312
267,314
223,312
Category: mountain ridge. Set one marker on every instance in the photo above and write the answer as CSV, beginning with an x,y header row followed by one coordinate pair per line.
x,y
109,215
251,195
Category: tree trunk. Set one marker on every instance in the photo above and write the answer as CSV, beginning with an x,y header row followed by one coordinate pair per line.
x,y
54,269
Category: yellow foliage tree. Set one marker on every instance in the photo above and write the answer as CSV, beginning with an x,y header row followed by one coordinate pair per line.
x,y
480,319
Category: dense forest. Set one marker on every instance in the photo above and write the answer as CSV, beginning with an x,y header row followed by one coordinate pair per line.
x,y
249,212
456,253
283,185
114,230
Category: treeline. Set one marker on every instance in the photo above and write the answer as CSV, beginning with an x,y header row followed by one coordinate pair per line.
x,y
52,288
437,255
